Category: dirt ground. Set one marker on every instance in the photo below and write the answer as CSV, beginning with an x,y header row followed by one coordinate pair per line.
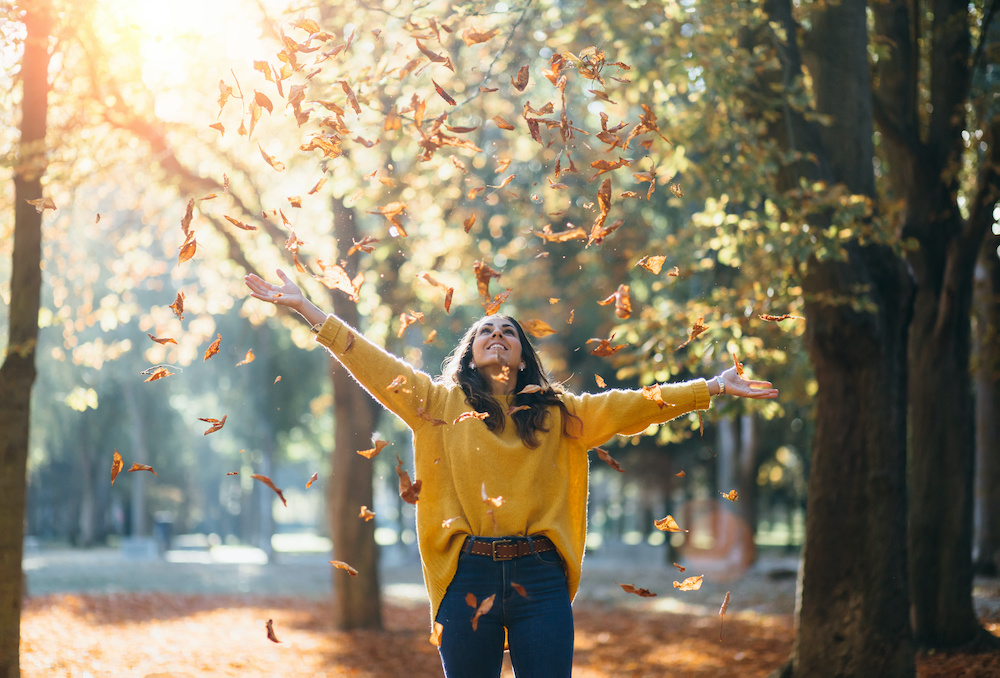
x,y
202,622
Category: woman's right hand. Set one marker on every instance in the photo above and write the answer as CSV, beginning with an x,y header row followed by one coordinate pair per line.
x,y
286,294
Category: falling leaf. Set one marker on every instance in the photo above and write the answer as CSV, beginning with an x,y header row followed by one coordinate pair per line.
x,y
443,94
668,524
214,348
696,329
430,337
335,278
178,306
604,347
731,495
276,164
116,466
136,466
653,392
270,632
722,613
644,593
537,328
277,379
373,452
676,190
653,263
493,306
530,388
436,632
159,340
495,502
680,474
520,589
737,364
366,514
473,36
483,608
447,522
690,584
247,359
622,302
158,373
501,123
522,79
365,245
779,318
517,408
341,565
608,459
600,382
42,204
233,473
216,423
188,249
396,385
239,224
680,568
674,272
569,233
267,481
312,479
422,413
470,415
408,492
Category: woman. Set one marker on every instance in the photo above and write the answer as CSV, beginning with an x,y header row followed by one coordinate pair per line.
x,y
501,453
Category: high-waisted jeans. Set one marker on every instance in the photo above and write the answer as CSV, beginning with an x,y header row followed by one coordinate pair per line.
x,y
539,625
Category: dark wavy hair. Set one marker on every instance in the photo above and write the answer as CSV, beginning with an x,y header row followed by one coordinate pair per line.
x,y
480,397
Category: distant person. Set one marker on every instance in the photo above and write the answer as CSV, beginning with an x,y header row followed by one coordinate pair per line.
x,y
503,502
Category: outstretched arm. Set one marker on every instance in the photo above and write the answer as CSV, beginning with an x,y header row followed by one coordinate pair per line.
x,y
735,385
287,294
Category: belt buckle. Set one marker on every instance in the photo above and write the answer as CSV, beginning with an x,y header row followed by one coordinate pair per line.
x,y
503,542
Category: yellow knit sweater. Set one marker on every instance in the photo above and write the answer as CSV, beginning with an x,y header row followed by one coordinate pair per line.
x,y
544,489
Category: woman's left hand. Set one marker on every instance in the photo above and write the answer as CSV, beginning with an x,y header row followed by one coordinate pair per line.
x,y
747,388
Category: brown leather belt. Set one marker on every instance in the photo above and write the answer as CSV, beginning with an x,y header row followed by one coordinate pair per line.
x,y
508,549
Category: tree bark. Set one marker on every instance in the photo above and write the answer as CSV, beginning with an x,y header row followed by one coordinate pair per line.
x,y
17,374
357,600
924,155
986,540
853,610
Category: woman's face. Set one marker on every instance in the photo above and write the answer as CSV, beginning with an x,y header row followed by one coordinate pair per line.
x,y
496,344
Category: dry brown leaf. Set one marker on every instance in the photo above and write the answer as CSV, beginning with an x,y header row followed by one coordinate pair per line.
x,y
690,584
722,613
520,589
483,608
159,340
116,466
608,459
216,423
680,568
600,381
312,479
408,492
178,306
247,359
373,452
779,318
214,347
644,593
366,514
436,632
470,415
136,466
653,263
158,372
270,632
341,565
731,495
537,328
267,481
668,524
604,347
697,329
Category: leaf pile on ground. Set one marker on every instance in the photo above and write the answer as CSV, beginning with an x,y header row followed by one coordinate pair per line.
x,y
183,636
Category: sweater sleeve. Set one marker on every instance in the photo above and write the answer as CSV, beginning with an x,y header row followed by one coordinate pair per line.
x,y
405,391
621,412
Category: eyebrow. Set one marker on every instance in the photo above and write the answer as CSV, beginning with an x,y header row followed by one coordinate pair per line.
x,y
505,325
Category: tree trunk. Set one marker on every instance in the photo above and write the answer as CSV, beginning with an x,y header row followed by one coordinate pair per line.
x,y
17,374
853,611
357,600
139,454
986,540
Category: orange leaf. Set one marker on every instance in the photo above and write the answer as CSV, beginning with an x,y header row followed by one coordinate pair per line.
x,y
680,568
483,608
470,415
312,479
653,392
247,359
366,514
520,589
373,452
690,584
158,340
473,36
216,423
668,524
604,347
277,165
644,593
435,638
136,466
494,306
443,94
779,318
408,492
501,123
537,328
522,79
187,249
738,364
608,459
722,613
731,495
341,565
116,466
600,381
158,372
622,300
239,224
214,348
178,306
653,263
495,502
696,329
267,481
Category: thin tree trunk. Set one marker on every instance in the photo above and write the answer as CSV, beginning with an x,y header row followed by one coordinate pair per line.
x,y
17,374
139,454
357,600
986,540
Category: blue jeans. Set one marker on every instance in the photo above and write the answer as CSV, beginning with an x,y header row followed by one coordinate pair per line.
x,y
539,625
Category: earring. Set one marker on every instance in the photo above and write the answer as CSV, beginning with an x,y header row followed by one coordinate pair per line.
x,y
521,367
472,365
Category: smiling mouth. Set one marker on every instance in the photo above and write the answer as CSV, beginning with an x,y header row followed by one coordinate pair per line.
x,y
496,345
